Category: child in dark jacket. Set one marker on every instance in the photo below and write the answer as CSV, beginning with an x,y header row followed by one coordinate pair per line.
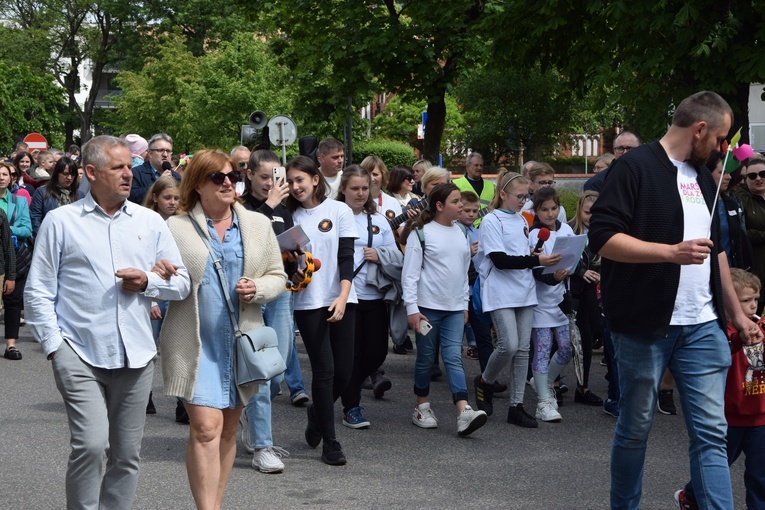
x,y
744,401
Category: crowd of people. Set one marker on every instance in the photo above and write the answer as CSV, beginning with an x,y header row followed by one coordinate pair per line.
x,y
181,256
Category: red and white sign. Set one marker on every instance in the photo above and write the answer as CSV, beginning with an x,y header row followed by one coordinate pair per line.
x,y
36,141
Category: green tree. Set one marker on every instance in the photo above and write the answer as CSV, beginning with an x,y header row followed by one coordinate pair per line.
x,y
30,104
400,118
78,33
202,102
644,56
508,109
420,48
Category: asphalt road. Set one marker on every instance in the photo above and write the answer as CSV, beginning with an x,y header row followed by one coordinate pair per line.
x,y
392,465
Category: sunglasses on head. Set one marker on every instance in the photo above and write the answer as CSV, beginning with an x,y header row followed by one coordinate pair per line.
x,y
219,177
752,176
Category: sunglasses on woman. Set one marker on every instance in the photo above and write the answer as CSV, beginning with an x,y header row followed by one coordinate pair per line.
x,y
752,176
219,177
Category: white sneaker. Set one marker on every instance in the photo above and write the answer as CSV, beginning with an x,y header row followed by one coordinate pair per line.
x,y
469,421
546,411
553,398
244,432
423,416
267,460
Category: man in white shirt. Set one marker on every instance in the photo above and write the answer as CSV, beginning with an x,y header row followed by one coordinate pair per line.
x,y
88,298
331,156
241,155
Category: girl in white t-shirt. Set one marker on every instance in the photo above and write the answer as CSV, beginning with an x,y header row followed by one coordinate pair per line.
x,y
549,320
371,336
325,311
508,293
435,286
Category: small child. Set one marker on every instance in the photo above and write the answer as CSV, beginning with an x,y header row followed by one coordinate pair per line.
x,y
744,401
467,217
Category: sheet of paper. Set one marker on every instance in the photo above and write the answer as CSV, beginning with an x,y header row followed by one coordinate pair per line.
x,y
291,238
571,248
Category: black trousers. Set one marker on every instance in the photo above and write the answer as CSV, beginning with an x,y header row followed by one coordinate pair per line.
x,y
370,347
330,349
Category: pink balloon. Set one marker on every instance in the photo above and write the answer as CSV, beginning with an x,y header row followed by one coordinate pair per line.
x,y
743,152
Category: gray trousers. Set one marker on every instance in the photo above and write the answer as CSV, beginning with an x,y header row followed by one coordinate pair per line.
x,y
513,326
107,412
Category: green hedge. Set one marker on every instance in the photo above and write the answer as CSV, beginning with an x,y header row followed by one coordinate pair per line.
x,y
569,200
391,152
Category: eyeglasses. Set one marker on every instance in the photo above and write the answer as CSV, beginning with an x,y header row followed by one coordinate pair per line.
x,y
545,183
14,174
219,177
242,164
522,199
619,149
410,179
162,151
66,174
752,176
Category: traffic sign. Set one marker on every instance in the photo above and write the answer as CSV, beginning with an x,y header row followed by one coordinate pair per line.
x,y
36,141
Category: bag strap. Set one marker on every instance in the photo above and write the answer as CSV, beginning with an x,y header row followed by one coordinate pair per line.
x,y
369,244
15,208
221,278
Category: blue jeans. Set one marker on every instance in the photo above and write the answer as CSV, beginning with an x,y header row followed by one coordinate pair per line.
x,y
278,315
448,328
293,376
698,357
751,442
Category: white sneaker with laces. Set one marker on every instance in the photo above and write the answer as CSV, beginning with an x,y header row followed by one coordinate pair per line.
x,y
546,411
469,421
553,398
423,416
244,433
267,460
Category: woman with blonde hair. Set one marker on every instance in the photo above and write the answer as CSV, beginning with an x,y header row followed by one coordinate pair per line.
x,y
198,355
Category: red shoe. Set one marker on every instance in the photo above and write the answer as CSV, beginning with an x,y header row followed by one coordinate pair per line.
x,y
684,502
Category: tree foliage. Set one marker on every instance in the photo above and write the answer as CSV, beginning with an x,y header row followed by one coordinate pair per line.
x,y
416,47
202,102
645,56
400,118
30,104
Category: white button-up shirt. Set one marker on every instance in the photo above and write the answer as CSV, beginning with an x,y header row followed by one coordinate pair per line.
x,y
72,292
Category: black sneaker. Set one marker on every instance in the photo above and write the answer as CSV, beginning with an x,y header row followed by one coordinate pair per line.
x,y
150,409
332,453
408,344
380,384
399,349
483,395
666,404
517,415
498,387
312,430
587,398
366,384
181,416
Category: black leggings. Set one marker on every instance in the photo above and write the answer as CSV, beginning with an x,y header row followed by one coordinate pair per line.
x,y
14,304
370,347
330,349
588,321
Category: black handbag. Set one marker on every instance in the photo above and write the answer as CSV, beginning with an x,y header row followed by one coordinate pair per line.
x,y
257,351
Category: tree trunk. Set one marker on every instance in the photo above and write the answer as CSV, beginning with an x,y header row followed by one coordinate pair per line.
x,y
434,128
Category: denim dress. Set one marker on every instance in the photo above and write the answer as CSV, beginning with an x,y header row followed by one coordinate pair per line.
x,y
215,386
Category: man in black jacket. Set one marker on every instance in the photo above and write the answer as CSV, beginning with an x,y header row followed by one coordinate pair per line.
x,y
666,292
158,164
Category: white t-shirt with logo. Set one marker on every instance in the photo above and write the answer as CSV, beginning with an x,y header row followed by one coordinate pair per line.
x,y
388,206
324,225
505,232
382,235
547,314
693,304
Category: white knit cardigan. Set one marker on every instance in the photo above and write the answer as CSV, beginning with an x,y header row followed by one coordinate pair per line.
x,y
179,341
